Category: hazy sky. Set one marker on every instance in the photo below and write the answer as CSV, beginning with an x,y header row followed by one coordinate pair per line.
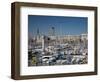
x,y
63,25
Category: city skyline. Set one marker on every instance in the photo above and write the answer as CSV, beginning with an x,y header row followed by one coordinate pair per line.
x,y
62,25
49,44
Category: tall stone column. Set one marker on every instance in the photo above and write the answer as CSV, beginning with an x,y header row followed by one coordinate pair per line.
x,y
43,43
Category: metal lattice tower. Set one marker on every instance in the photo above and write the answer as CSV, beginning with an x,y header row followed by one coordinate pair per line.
x,y
52,31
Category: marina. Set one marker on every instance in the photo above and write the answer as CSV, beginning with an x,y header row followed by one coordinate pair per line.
x,y
46,51
57,40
